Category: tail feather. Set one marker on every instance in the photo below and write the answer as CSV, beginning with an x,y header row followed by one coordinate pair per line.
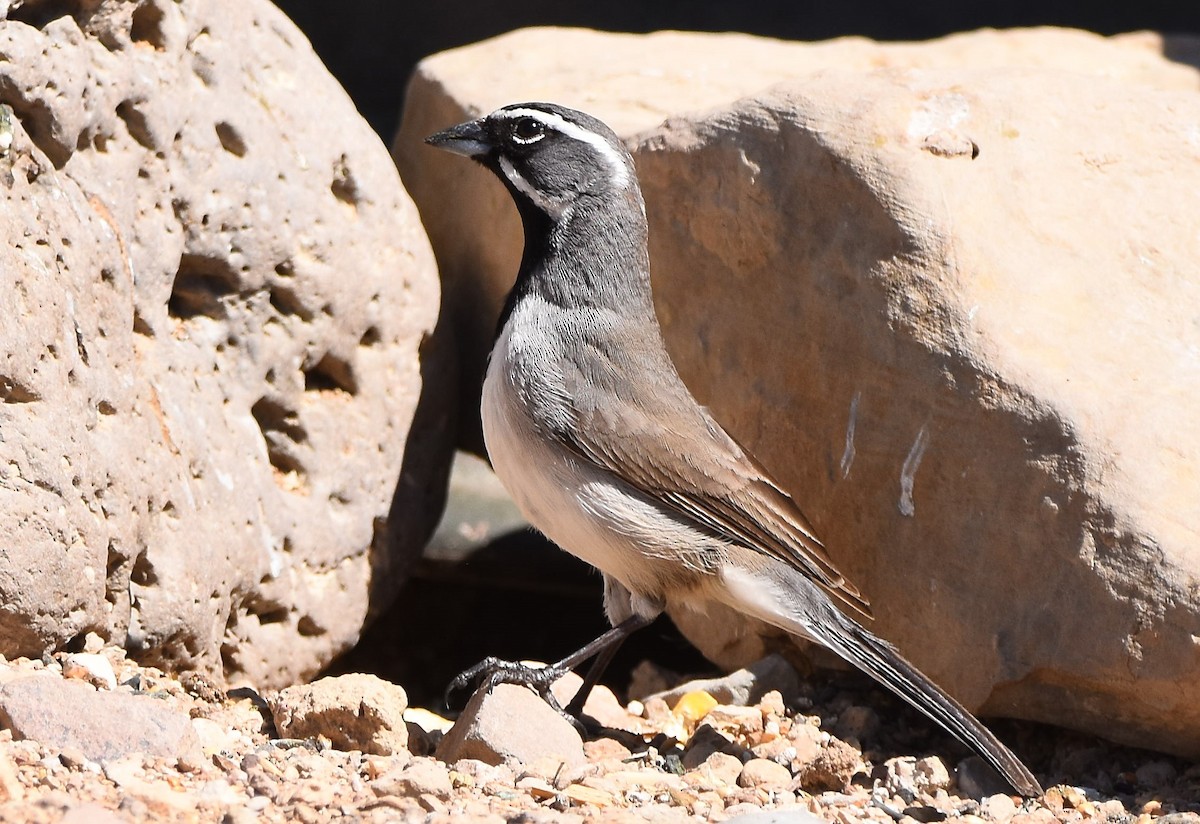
x,y
886,665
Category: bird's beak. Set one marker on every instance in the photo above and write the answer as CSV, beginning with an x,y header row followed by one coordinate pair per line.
x,y
468,139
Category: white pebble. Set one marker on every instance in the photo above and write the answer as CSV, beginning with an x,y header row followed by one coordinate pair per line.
x,y
90,667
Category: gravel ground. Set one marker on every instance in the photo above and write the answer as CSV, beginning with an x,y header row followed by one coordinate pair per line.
x,y
838,750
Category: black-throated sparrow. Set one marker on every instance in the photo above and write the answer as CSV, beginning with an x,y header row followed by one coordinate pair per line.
x,y
605,450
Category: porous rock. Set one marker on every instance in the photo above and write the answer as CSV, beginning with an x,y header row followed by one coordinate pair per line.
x,y
354,712
215,294
957,299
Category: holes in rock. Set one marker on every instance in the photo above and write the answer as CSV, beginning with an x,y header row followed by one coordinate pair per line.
x,y
309,628
266,611
116,574
229,647
283,434
135,123
345,186
331,374
13,391
140,326
287,303
106,408
40,123
96,141
200,287
371,337
80,347
275,417
147,26
116,560
40,14
143,572
231,139
191,645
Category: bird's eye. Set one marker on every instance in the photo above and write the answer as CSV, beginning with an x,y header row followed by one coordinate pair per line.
x,y
528,130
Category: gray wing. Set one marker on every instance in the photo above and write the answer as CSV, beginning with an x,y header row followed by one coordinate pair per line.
x,y
697,470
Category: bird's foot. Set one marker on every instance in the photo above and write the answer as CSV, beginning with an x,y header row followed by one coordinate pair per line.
x,y
491,672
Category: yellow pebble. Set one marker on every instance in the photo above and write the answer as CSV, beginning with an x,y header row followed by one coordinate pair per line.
x,y
693,706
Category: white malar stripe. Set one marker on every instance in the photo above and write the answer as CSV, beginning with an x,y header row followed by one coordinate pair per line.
x,y
611,156
556,209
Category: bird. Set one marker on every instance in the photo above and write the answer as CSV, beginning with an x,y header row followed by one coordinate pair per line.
x,y
604,449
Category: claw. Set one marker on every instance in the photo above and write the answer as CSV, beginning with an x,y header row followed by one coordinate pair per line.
x,y
474,675
490,672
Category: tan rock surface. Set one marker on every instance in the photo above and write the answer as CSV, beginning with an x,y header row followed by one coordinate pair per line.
x,y
216,290
353,712
101,725
979,371
633,83
974,265
511,724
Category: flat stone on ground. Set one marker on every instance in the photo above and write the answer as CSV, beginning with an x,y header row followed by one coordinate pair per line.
x,y
102,725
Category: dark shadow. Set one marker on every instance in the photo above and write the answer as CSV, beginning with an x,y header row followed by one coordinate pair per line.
x,y
1183,48
519,597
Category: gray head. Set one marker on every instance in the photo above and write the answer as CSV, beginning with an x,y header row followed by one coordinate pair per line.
x,y
549,156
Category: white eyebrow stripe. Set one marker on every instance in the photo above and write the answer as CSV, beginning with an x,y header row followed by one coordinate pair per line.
x,y
553,208
572,130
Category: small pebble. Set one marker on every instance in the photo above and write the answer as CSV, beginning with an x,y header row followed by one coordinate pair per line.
x,y
423,776
998,807
764,774
1156,774
95,669
931,774
722,767
858,722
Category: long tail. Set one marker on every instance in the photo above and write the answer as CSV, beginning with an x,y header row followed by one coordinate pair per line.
x,y
886,665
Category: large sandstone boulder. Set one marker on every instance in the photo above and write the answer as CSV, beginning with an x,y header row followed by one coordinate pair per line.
x,y
633,83
215,294
948,294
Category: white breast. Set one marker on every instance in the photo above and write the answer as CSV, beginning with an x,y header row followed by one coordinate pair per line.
x,y
582,508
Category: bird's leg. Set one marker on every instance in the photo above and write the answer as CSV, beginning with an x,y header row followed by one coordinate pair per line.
x,y
595,671
492,671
